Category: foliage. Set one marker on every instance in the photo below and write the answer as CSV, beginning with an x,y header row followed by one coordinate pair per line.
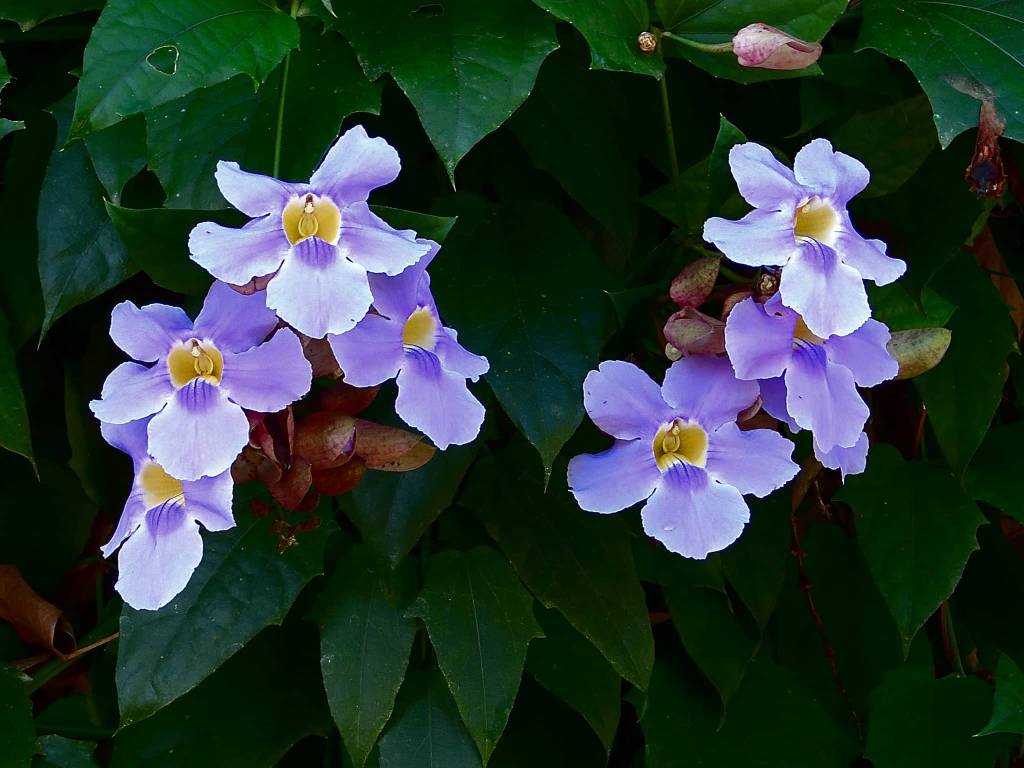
x,y
380,603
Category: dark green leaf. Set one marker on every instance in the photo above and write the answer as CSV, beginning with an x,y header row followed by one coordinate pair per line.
x,y
919,722
916,528
521,285
60,752
393,509
893,305
241,586
17,733
143,53
756,564
188,136
325,85
118,153
9,126
565,663
246,716
465,65
612,28
364,647
431,227
30,13
480,620
996,475
80,254
576,562
425,731
14,430
157,241
1008,707
960,52
721,186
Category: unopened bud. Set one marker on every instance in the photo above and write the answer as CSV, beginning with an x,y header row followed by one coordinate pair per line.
x,y
647,42
765,47
694,284
672,353
919,350
691,332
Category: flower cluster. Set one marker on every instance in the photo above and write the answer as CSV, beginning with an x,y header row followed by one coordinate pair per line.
x,y
316,261
800,349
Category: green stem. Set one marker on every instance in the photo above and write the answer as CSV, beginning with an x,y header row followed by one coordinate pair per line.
x,y
706,47
280,104
50,670
670,139
736,277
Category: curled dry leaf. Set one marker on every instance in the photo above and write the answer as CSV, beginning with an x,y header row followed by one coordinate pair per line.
x,y
292,489
919,350
37,621
693,333
694,284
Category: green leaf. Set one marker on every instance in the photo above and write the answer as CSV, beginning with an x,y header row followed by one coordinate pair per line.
x,y
431,227
157,241
393,509
143,53
9,126
917,721
241,586
960,52
576,562
996,475
425,731
17,733
247,715
788,725
325,85
916,528
717,21
187,137
522,287
595,166
80,254
893,305
611,28
480,621
31,13
364,647
964,390
14,428
1008,707
61,752
756,564
465,65
118,153
721,185
568,665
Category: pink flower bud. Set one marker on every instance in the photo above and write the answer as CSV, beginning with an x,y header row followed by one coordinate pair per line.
x,y
765,47
690,332
694,284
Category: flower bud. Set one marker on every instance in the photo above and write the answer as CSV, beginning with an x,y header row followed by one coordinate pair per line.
x,y
647,42
691,332
759,45
693,285
919,350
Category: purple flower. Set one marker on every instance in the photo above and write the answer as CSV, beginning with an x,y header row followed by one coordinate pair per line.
x,y
405,339
800,222
202,375
159,529
316,240
820,376
678,447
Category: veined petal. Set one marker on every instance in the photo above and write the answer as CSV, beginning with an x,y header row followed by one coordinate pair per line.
x,y
131,519
373,243
208,500
849,461
156,562
623,401
133,391
828,294
456,358
233,321
238,255
130,438
269,377
763,181
864,352
707,390
355,166
252,193
147,333
822,397
437,402
615,479
759,339
399,295
319,291
759,239
868,257
831,174
757,461
372,352
200,432
692,515
773,400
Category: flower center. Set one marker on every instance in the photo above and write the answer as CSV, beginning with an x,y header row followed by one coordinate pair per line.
x,y
194,359
803,333
420,329
680,441
817,220
158,487
311,216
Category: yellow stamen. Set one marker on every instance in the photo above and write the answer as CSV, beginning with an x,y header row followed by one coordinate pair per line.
x,y
680,441
157,486
193,359
420,329
817,220
311,216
